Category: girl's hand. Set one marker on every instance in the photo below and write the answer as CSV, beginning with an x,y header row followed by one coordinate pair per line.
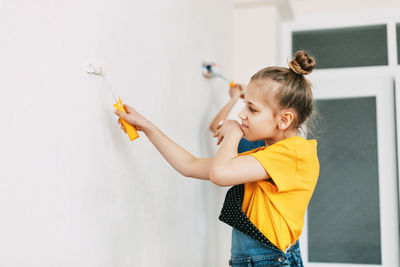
x,y
236,92
229,127
132,117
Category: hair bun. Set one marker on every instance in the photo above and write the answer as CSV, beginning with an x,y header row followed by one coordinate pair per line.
x,y
302,63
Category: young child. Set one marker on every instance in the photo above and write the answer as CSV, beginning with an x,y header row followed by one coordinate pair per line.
x,y
235,93
273,184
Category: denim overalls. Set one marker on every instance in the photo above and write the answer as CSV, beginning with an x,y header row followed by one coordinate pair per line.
x,y
249,246
246,252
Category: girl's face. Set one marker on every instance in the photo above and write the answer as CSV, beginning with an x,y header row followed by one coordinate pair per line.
x,y
259,116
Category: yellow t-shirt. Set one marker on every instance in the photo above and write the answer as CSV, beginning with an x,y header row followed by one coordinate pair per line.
x,y
277,209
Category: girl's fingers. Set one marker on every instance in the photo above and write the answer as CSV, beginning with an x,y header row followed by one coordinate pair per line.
x,y
220,123
128,108
219,140
217,132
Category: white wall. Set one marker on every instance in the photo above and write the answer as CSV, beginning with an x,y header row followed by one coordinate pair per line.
x,y
74,191
254,39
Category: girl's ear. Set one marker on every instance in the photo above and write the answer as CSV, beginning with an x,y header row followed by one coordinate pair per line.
x,y
285,120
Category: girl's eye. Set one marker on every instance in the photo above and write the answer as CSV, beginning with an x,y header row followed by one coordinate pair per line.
x,y
252,110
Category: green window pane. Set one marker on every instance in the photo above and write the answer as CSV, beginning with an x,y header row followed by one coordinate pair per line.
x,y
344,47
343,214
398,42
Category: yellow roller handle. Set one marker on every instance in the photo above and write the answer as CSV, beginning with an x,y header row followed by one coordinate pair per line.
x,y
131,131
232,84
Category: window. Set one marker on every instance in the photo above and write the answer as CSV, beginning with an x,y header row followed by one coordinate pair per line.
x,y
398,42
343,214
344,47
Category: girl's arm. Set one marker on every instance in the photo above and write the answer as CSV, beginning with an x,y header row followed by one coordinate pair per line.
x,y
235,93
222,115
180,159
224,169
227,168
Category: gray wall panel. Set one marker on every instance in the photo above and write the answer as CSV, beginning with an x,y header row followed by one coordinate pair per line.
x,y
343,215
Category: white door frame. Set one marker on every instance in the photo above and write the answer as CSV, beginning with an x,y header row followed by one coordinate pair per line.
x,y
389,190
382,89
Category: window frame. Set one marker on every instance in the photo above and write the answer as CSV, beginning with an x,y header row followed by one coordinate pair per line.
x,y
367,18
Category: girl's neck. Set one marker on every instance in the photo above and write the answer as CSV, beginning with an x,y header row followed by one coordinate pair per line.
x,y
273,140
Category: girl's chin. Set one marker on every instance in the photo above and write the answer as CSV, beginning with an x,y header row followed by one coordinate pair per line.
x,y
248,138
251,139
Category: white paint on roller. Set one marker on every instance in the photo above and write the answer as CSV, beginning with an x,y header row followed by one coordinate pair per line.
x,y
97,70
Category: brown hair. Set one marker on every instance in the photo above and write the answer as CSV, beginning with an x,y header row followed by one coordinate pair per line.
x,y
294,90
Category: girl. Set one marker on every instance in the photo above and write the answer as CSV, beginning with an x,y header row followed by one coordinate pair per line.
x,y
273,184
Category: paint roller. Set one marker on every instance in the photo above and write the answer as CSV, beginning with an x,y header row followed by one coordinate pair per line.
x,y
130,130
212,70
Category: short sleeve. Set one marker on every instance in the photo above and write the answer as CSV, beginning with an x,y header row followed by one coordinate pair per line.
x,y
250,151
280,162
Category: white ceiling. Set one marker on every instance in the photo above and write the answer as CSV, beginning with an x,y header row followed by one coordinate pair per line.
x,y
319,7
290,9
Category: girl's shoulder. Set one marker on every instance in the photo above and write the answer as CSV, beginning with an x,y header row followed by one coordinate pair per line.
x,y
295,147
296,142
